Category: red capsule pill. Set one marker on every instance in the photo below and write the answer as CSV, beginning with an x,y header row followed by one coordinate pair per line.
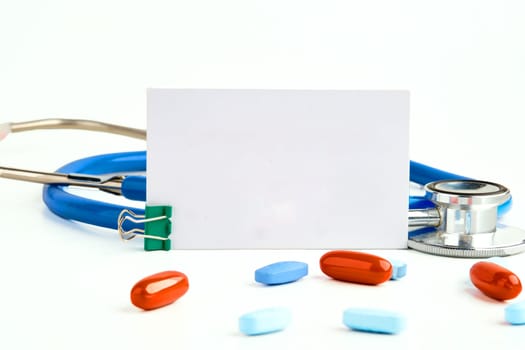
x,y
356,267
495,281
159,290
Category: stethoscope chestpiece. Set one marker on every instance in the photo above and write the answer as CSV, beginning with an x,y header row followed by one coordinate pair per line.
x,y
467,225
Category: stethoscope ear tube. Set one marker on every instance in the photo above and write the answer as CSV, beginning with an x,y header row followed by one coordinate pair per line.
x,y
423,174
133,188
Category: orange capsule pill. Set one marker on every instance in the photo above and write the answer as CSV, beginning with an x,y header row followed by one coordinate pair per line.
x,y
495,281
356,267
159,290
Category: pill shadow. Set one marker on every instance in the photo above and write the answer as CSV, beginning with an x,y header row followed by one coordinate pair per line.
x,y
480,296
334,282
239,334
365,333
326,280
130,309
254,284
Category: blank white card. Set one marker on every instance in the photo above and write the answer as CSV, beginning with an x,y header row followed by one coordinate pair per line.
x,y
280,168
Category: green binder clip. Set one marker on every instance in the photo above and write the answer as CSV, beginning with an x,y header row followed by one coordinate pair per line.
x,y
157,226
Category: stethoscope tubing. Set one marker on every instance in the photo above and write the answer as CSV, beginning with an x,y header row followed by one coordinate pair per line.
x,y
423,174
74,207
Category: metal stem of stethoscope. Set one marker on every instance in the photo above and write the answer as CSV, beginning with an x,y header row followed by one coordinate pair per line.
x,y
424,218
464,221
111,184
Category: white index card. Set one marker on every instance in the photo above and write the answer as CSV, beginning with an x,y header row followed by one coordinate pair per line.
x,y
280,168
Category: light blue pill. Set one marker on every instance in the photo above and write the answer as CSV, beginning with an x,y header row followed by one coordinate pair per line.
x,y
281,272
265,321
399,269
374,320
515,313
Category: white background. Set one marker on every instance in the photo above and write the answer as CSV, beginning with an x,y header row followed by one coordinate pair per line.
x,y
67,286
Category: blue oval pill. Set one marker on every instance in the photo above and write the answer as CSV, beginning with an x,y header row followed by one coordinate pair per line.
x,y
265,321
515,313
374,320
281,272
399,269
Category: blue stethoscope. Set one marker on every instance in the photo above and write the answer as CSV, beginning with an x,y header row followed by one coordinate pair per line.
x,y
73,207
457,216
